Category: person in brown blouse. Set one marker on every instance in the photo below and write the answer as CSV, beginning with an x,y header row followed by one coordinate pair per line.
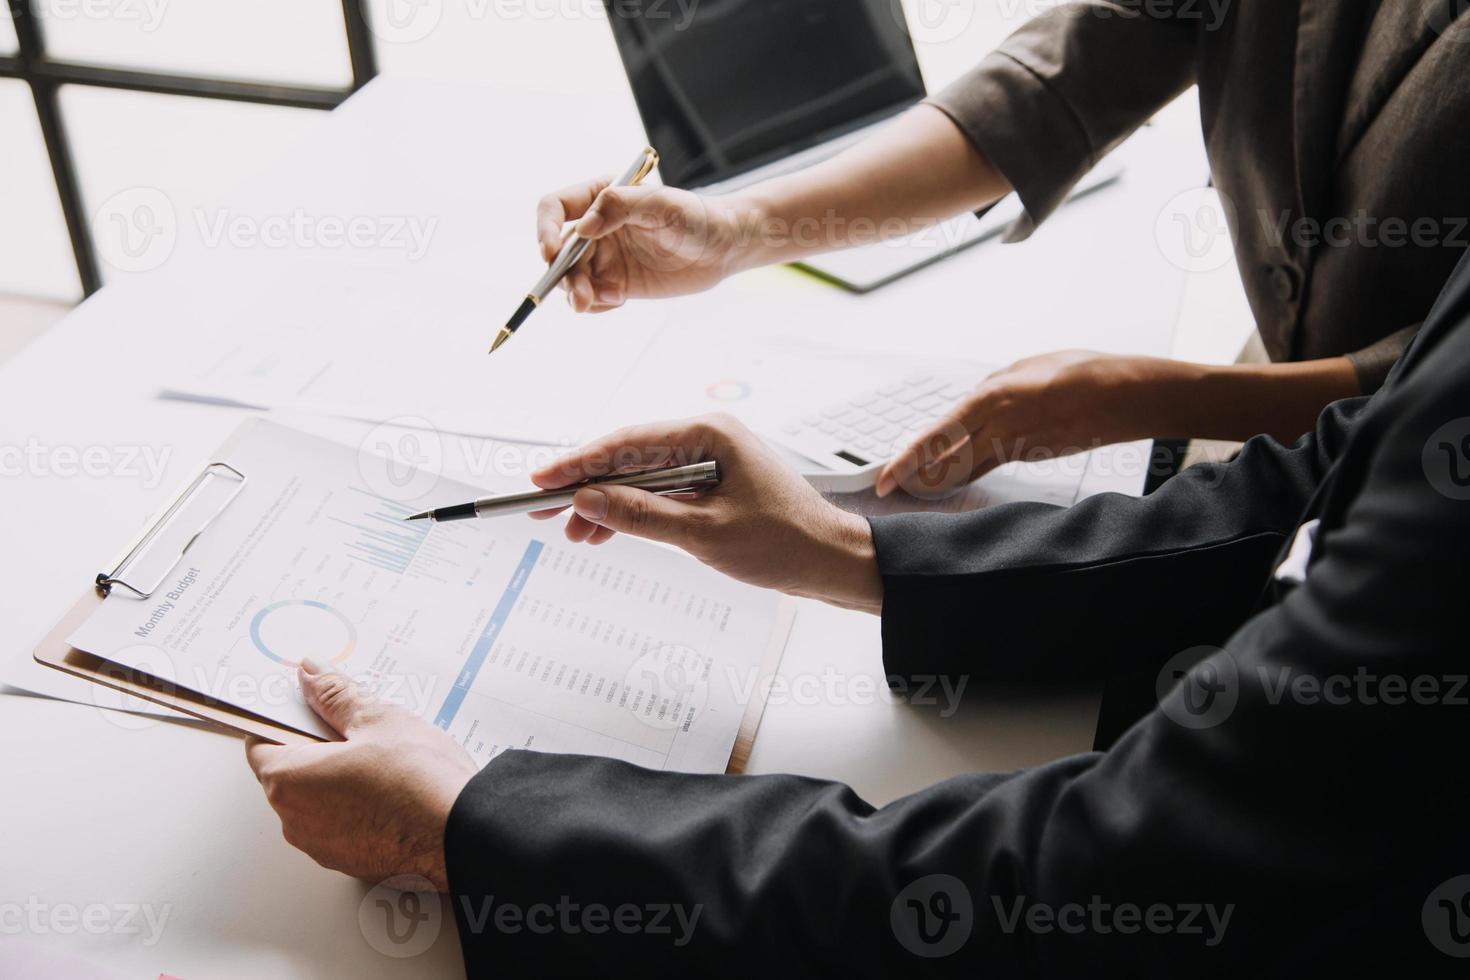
x,y
1336,134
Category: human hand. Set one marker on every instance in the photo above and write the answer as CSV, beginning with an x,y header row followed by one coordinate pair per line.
x,y
1039,408
374,806
763,524
646,241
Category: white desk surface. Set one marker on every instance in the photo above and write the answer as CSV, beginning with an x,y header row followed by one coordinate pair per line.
x,y
107,811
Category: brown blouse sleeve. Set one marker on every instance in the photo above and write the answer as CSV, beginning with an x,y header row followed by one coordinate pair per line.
x,y
1064,90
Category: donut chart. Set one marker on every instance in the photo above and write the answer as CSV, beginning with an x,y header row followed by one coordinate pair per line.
x,y
292,629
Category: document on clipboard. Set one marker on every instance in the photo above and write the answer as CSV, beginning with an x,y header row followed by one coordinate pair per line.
x,y
498,632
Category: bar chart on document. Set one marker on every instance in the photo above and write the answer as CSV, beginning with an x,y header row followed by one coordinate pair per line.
x,y
498,632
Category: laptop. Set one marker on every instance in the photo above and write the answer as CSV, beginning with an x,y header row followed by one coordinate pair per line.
x,y
734,92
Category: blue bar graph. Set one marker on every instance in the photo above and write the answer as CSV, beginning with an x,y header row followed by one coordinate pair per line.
x,y
481,649
385,540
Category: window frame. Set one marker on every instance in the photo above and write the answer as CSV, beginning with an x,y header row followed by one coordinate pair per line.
x,y
46,75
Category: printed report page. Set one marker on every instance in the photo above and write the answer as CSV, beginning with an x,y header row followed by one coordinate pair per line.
x,y
498,631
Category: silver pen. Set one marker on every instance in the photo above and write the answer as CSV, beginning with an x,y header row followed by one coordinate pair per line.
x,y
571,253
680,479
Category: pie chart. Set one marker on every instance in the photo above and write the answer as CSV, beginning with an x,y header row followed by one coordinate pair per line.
x,y
292,629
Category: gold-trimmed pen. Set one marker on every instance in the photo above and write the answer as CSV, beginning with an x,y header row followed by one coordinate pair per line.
x,y
571,253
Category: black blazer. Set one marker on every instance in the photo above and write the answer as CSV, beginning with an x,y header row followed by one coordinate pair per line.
x,y
1296,805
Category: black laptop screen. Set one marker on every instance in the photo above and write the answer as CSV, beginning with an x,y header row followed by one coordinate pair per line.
x,y
725,86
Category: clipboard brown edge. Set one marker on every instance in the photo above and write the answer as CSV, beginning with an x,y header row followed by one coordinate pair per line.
x,y
750,722
54,651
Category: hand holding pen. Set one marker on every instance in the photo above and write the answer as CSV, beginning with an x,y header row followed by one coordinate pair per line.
x,y
573,247
763,524
646,241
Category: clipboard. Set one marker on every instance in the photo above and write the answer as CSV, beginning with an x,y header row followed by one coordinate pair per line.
x,y
188,517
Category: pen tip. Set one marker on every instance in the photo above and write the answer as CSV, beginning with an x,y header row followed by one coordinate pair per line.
x,y
527,307
421,517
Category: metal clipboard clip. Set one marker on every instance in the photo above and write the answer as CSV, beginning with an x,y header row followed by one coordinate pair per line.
x,y
217,471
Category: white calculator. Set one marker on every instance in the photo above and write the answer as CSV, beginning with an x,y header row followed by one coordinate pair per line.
x,y
852,441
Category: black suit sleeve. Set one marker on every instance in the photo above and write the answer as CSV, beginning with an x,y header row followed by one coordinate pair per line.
x,y
1276,816
1294,807
1038,592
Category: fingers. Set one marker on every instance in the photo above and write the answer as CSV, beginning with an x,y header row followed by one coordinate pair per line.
x,y
942,441
259,753
339,701
636,512
555,210
934,447
632,449
580,294
612,209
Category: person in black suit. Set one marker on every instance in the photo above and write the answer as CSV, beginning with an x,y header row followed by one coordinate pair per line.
x,y
1294,804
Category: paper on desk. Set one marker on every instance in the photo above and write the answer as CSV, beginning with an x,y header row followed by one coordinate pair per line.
x,y
498,632
411,347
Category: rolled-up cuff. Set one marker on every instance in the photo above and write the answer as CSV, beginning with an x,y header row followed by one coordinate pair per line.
x,y
1025,129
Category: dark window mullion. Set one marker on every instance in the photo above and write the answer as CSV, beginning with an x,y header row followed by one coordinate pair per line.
x,y
46,77
32,45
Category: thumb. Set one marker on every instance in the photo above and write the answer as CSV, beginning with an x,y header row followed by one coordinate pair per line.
x,y
636,512
340,701
611,210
